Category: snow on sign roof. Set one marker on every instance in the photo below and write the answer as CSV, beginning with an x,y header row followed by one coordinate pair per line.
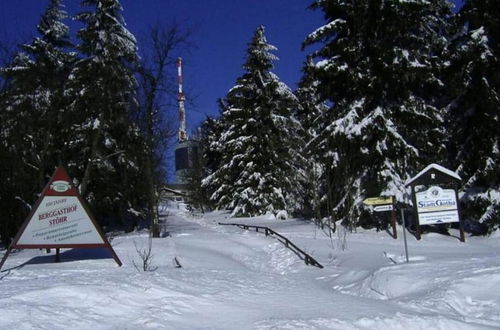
x,y
437,168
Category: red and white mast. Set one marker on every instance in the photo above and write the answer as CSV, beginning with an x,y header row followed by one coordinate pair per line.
x,y
181,98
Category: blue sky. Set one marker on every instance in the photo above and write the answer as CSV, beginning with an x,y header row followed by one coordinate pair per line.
x,y
222,30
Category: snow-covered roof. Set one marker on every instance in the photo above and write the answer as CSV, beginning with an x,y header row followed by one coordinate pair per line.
x,y
176,189
436,167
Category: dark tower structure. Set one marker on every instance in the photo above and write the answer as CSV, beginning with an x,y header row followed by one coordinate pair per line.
x,y
186,151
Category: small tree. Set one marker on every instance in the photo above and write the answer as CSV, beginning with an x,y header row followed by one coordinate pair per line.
x,y
146,256
198,196
154,84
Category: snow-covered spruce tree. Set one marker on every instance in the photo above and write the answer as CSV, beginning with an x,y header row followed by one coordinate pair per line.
x,y
474,113
311,113
35,92
208,159
377,65
106,148
31,114
198,198
211,132
257,170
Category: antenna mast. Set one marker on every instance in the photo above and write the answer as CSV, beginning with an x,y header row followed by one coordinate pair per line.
x,y
181,98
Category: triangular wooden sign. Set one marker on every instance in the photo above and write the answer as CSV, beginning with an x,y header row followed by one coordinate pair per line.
x,y
60,219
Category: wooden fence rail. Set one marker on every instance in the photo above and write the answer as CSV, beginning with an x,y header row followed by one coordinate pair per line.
x,y
268,231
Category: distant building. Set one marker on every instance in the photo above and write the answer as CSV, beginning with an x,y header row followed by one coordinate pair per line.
x,y
174,192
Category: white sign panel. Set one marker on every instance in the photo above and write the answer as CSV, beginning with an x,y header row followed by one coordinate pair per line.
x,y
60,220
437,205
383,208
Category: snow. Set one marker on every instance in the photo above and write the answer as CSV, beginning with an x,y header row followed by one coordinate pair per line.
x,y
436,167
323,31
479,34
96,123
236,279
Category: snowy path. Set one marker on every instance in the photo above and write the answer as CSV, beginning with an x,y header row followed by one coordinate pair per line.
x,y
235,279
257,280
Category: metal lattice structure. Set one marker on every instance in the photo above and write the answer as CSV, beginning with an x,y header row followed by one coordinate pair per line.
x,y
181,98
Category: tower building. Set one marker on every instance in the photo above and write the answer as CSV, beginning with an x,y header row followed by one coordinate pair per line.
x,y
186,151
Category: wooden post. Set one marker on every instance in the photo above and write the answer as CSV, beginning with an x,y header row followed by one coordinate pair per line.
x,y
460,220
393,219
418,232
155,229
404,234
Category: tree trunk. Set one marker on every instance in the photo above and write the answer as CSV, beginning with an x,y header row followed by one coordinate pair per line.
x,y
88,169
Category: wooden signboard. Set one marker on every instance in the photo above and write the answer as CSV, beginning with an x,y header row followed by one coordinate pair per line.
x,y
378,200
60,219
438,203
384,204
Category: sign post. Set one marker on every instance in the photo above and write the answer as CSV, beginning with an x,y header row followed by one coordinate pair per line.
x,y
404,234
393,219
60,219
384,204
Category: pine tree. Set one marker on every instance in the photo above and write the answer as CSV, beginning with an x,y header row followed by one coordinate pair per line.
x,y
7,54
107,148
209,134
36,92
31,111
257,146
377,66
311,113
474,110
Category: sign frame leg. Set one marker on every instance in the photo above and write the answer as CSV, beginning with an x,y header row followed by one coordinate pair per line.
x,y
115,256
5,256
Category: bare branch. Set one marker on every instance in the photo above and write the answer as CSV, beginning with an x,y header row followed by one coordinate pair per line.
x,y
156,76
146,256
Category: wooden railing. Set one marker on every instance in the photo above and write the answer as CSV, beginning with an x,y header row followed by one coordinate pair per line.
x,y
268,231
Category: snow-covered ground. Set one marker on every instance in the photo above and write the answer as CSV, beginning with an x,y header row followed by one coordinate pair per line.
x,y
236,279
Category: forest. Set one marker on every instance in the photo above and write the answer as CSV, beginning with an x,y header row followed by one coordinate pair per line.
x,y
387,88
